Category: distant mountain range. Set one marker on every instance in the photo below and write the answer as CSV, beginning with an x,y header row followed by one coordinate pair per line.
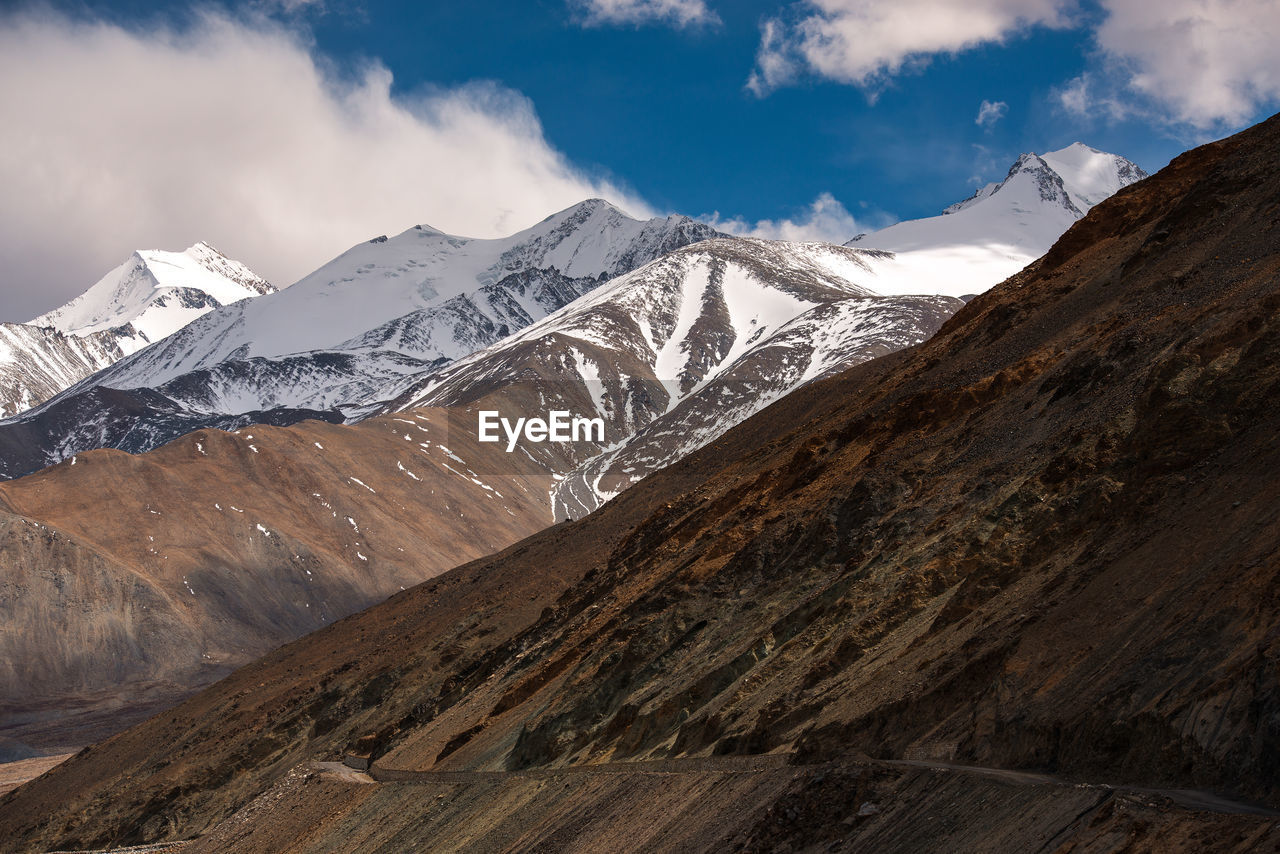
x,y
388,313
351,334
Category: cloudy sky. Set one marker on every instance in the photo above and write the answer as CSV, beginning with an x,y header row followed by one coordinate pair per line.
x,y
283,131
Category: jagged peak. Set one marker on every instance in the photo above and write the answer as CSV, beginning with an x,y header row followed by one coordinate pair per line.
x,y
1087,175
584,210
1028,162
127,293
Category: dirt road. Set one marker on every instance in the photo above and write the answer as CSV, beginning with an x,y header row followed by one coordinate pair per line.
x,y
1191,799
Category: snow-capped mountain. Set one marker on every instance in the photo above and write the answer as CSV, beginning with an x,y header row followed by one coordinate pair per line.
x,y
389,313
148,297
1001,228
354,332
154,294
677,352
423,293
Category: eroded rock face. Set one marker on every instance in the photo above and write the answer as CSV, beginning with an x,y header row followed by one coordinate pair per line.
x,y
1045,539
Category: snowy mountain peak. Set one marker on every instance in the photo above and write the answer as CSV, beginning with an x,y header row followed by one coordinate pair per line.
x,y
1046,182
155,293
1002,227
1029,170
421,297
1076,177
587,207
1091,175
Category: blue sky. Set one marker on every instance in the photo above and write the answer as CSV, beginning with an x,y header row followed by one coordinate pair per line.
x,y
667,110
798,119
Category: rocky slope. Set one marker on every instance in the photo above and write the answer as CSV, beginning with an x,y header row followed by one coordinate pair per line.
x,y
734,323
146,298
731,323
1045,539
37,362
731,320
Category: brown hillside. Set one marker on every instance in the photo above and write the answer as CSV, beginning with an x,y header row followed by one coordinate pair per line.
x,y
135,579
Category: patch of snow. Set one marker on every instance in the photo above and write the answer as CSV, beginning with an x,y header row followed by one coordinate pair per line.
x,y
362,483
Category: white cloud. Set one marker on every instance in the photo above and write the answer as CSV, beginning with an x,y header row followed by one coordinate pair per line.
x,y
990,112
825,220
1204,62
1074,96
678,13
291,6
864,42
233,133
1091,95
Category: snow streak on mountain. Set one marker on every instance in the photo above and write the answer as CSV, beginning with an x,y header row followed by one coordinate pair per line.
x,y
677,352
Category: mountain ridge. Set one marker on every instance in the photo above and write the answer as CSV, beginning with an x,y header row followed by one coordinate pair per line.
x,y
716,329
426,299
378,329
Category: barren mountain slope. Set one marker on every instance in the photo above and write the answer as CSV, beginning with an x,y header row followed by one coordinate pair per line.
x,y
1048,538
129,578
589,358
